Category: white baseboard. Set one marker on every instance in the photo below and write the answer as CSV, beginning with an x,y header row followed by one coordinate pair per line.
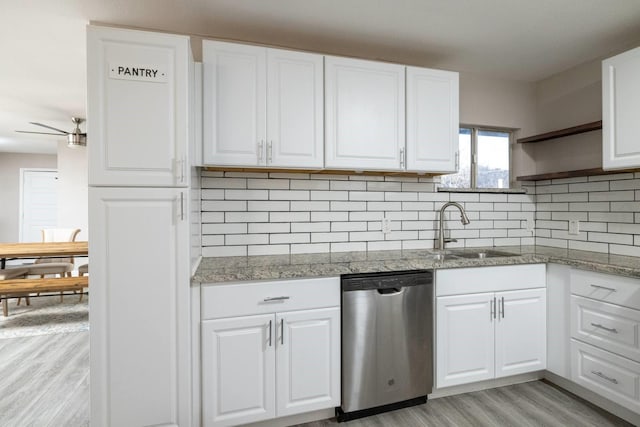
x,y
322,414
594,398
485,385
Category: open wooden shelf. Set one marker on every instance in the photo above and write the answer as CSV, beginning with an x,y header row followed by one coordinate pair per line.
x,y
575,130
572,174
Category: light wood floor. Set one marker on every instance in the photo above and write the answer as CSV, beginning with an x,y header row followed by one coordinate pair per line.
x,y
532,404
44,380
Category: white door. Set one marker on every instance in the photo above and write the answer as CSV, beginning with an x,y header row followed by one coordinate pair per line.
x,y
238,370
295,100
308,360
138,107
234,103
38,203
620,106
465,341
140,360
521,332
365,114
432,120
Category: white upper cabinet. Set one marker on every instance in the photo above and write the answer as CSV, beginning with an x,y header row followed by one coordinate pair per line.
x,y
234,103
620,111
138,107
295,100
432,120
262,107
365,114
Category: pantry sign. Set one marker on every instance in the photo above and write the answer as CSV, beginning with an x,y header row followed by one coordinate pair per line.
x,y
143,73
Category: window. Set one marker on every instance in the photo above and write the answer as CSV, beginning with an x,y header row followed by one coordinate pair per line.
x,y
484,159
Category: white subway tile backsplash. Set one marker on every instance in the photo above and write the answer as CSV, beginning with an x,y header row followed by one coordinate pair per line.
x,y
301,227
302,184
329,216
270,249
289,238
246,217
282,184
329,195
276,227
285,213
291,216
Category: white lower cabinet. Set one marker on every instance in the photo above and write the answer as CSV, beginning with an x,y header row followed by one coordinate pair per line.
x,y
284,362
481,336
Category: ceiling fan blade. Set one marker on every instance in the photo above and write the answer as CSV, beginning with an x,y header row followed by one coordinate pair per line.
x,y
64,132
39,133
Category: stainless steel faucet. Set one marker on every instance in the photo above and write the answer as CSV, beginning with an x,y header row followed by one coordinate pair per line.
x,y
463,218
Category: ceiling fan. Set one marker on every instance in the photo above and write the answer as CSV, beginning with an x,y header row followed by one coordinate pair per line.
x,y
75,138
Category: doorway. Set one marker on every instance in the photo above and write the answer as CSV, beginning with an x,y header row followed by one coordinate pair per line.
x,y
38,202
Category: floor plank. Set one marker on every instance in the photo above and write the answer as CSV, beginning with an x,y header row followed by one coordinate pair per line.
x,y
531,404
44,380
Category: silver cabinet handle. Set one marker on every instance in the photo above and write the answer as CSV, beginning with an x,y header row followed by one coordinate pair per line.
x,y
269,152
502,307
604,287
401,157
260,151
492,304
282,298
270,331
282,331
457,160
597,325
604,377
181,206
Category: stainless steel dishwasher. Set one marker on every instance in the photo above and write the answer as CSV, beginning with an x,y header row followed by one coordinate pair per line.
x,y
387,341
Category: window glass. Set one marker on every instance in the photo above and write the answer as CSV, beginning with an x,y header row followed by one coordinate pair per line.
x,y
493,159
462,179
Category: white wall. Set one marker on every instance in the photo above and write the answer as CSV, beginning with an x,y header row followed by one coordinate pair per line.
x,y
72,189
10,164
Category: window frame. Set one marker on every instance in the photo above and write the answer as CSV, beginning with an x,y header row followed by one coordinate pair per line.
x,y
474,153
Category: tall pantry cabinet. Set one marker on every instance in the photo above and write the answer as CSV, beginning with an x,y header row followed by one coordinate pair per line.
x,y
138,125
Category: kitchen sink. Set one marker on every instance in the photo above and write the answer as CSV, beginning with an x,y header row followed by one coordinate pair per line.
x,y
470,254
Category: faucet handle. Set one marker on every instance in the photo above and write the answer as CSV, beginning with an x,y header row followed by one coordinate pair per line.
x,y
450,240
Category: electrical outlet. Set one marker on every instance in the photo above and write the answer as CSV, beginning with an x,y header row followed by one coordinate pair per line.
x,y
386,225
574,227
530,225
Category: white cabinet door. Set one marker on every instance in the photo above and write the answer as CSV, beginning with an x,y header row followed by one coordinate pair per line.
x,y
238,370
295,100
308,360
620,106
234,103
521,332
138,107
432,120
464,335
365,114
140,361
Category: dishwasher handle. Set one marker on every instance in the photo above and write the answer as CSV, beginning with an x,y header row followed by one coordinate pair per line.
x,y
390,291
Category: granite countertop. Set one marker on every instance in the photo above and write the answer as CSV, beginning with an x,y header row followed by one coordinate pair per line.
x,y
271,267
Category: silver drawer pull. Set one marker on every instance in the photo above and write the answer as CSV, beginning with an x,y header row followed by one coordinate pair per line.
x,y
267,299
604,377
597,325
603,287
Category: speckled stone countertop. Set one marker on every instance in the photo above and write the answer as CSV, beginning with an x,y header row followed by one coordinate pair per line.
x,y
231,269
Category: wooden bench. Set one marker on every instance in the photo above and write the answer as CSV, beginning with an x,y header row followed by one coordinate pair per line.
x,y
20,287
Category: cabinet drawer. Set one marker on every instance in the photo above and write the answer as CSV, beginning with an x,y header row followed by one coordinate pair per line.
x,y
607,326
606,287
607,374
246,298
457,281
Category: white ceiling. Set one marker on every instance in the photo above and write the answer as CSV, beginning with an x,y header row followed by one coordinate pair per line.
x,y
42,42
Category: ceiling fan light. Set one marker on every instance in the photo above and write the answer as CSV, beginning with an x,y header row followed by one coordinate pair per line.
x,y
75,140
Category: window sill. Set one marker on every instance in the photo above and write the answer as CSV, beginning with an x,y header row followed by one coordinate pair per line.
x,y
482,190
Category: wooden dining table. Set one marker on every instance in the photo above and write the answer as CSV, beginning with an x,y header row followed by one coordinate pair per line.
x,y
41,249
